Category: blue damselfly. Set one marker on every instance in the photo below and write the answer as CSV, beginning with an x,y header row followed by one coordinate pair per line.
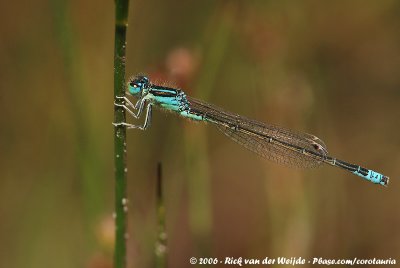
x,y
275,143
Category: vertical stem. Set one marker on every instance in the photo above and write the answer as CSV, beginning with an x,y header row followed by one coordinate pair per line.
x,y
121,24
161,244
88,164
200,209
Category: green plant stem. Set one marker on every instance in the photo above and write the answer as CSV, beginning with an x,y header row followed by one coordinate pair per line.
x,y
200,214
121,24
161,243
86,145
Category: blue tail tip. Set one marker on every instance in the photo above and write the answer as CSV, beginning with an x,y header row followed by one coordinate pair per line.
x,y
385,180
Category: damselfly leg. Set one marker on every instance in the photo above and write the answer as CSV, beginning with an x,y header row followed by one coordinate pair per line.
x,y
147,121
138,106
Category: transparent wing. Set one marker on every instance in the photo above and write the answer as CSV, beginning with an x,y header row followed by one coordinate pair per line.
x,y
255,136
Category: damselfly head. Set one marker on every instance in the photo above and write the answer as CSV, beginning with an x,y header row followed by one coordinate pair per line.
x,y
138,84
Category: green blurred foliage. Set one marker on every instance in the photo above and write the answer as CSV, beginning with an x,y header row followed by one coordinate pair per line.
x,y
330,69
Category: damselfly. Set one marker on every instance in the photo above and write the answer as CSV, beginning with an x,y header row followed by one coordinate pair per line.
x,y
275,143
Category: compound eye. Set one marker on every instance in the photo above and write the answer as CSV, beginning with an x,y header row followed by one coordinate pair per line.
x,y
135,84
138,84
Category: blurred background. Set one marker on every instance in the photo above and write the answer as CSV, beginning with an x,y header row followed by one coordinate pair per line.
x,y
330,69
